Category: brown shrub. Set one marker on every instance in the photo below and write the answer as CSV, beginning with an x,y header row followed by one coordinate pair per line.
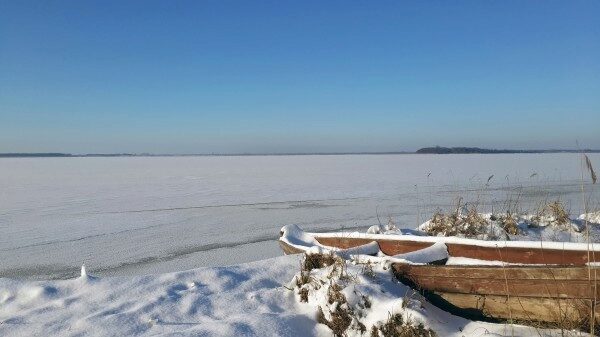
x,y
317,261
339,322
553,212
303,292
334,294
396,327
471,225
558,212
303,278
509,223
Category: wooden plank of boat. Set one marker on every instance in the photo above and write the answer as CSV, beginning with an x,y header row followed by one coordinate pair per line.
x,y
389,247
548,294
551,310
524,281
521,255
289,249
511,272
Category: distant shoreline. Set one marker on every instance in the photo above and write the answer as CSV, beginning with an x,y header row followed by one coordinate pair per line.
x,y
475,150
426,150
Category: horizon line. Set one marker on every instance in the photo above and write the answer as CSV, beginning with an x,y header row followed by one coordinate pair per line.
x,y
215,154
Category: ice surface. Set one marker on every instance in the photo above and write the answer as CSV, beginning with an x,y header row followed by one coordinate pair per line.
x,y
127,216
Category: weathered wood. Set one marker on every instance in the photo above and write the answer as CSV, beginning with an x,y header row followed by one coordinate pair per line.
x,y
343,243
522,255
289,250
522,272
529,281
539,293
529,288
568,312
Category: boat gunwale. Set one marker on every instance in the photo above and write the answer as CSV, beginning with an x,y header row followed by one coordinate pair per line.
x,y
544,245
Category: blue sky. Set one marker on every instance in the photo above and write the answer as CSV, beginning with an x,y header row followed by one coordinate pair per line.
x,y
297,76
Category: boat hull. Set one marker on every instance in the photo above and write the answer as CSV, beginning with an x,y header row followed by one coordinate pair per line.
x,y
523,293
289,249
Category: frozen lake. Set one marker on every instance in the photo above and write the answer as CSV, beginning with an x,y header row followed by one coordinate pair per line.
x,y
126,215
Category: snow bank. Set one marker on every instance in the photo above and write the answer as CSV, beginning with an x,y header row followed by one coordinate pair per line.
x,y
242,300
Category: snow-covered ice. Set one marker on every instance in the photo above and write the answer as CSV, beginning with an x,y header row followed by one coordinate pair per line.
x,y
130,216
84,219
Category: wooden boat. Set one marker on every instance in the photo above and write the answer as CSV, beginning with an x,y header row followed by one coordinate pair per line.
x,y
521,252
548,285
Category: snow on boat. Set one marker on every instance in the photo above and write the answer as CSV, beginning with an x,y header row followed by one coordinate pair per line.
x,y
293,239
505,280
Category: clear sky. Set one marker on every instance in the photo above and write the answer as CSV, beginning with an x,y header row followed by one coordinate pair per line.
x,y
297,76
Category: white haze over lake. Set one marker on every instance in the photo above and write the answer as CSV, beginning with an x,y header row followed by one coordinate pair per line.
x,y
124,216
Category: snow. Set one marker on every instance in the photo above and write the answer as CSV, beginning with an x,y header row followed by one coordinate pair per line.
x,y
131,216
241,300
294,236
593,217
436,252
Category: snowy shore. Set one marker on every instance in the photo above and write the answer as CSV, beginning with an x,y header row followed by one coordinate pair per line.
x,y
272,297
249,299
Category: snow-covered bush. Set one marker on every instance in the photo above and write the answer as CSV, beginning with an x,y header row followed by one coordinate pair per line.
x,y
469,224
347,300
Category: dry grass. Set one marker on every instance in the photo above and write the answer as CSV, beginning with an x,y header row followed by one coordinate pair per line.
x,y
334,294
553,214
572,318
338,323
396,327
590,168
318,261
303,292
367,270
303,278
456,223
509,224
558,212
